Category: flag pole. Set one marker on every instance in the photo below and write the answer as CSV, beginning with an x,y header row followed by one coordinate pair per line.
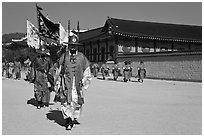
x,y
78,29
68,29
38,24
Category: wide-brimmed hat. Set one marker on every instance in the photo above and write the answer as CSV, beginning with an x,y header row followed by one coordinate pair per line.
x,y
74,40
43,50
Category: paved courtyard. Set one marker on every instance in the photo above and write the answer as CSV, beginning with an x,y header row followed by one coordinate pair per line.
x,y
155,107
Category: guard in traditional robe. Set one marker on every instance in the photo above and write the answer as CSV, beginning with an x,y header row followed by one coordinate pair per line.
x,y
126,71
27,65
130,73
141,72
115,71
11,69
75,78
95,69
17,69
104,70
39,75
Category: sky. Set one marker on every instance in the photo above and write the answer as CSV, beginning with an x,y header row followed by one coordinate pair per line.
x,y
94,14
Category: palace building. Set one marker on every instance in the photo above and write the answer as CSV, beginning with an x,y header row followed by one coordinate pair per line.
x,y
169,51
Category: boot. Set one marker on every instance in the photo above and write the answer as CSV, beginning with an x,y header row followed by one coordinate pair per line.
x,y
69,123
40,105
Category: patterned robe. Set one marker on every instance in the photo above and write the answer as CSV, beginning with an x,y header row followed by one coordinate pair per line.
x,y
126,72
76,76
95,69
40,68
115,71
104,70
141,72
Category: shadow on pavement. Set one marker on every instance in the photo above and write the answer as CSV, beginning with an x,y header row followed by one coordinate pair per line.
x,y
111,79
118,80
56,115
33,102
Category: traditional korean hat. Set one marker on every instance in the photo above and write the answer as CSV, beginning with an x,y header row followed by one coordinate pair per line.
x,y
74,40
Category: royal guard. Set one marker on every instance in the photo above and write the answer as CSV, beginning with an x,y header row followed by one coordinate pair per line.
x,y
115,70
40,74
130,74
17,69
75,76
27,64
95,69
126,71
141,71
11,69
104,70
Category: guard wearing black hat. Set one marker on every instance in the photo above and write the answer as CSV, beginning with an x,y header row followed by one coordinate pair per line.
x,y
126,71
40,76
115,70
75,78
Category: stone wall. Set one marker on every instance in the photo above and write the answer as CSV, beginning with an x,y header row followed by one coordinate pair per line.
x,y
174,67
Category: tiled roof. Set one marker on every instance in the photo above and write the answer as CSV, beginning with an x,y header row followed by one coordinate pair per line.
x,y
152,29
90,34
149,30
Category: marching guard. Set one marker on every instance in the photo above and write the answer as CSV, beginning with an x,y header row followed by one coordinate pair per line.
x,y
17,69
115,70
75,76
40,76
104,70
126,71
141,72
95,69
27,64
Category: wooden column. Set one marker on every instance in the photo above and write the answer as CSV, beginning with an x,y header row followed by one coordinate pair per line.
x,y
155,46
136,45
115,38
189,46
91,51
172,46
106,51
98,43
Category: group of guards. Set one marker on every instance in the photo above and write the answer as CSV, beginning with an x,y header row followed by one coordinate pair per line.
x,y
68,77
116,71
11,69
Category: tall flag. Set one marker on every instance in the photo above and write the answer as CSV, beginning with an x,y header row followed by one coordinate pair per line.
x,y
46,27
33,39
78,28
63,35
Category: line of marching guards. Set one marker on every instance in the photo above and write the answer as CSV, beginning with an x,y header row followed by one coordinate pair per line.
x,y
12,69
117,71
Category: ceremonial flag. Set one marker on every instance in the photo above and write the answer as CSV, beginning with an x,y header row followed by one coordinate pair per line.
x,y
63,35
46,27
33,39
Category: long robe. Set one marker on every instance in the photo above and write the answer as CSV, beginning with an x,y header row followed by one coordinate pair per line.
x,y
126,72
76,76
115,71
40,68
95,69
141,72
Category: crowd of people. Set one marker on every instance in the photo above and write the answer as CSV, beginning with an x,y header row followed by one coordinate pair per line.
x,y
11,69
125,71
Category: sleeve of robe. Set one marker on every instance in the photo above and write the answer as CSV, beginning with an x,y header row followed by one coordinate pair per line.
x,y
86,80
